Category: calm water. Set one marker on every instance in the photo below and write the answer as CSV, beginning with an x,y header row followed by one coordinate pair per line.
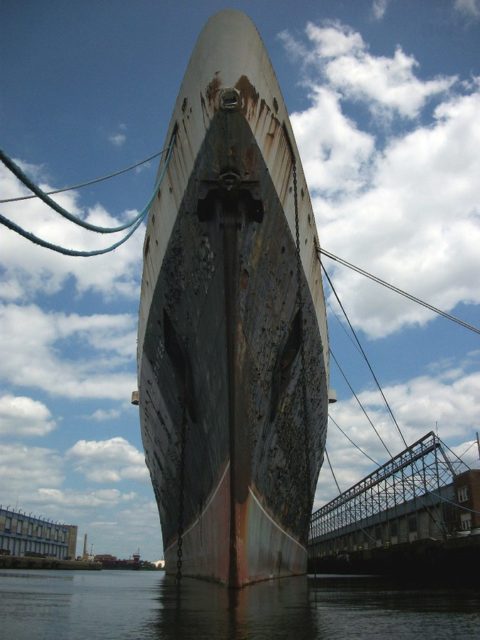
x,y
118,605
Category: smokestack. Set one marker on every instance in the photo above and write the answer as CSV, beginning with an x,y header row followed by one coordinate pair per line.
x,y
85,547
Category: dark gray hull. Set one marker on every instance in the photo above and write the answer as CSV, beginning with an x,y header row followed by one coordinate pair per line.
x,y
220,366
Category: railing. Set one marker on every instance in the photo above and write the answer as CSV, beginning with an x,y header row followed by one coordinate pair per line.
x,y
416,474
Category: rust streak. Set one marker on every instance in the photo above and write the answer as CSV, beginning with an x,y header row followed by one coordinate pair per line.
x,y
249,95
212,90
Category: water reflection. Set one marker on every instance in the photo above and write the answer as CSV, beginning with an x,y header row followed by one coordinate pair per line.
x,y
321,608
276,609
126,605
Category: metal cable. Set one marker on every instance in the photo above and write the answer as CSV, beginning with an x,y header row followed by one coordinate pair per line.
x,y
339,492
392,287
352,442
360,404
455,504
467,449
332,472
387,404
332,310
321,251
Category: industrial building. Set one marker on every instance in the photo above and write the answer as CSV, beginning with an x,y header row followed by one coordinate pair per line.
x,y
421,497
467,493
24,534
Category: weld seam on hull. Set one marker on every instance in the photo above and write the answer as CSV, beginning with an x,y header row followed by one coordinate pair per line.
x,y
204,510
276,523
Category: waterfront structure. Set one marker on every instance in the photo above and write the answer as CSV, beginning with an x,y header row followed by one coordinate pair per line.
x,y
422,494
467,495
109,561
22,534
233,358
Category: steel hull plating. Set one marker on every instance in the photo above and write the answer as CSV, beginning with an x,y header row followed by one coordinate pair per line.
x,y
220,330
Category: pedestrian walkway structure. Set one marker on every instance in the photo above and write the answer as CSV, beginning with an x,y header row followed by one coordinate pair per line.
x,y
422,493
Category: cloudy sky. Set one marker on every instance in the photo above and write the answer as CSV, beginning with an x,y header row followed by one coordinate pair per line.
x,y
384,98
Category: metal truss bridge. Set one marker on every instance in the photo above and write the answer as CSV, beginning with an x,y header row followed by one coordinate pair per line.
x,y
410,497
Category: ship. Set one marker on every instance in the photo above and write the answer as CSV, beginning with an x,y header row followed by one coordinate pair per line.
x,y
233,358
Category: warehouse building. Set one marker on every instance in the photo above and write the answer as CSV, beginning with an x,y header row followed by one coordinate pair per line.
x,y
27,535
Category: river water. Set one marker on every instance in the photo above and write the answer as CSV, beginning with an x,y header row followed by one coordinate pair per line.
x,y
121,605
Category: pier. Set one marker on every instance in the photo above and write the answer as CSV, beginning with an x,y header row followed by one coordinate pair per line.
x,y
421,509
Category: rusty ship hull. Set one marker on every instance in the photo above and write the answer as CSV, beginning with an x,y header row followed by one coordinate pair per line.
x,y
233,415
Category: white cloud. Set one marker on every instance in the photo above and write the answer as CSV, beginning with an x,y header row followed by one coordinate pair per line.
x,y
78,499
334,40
468,8
449,401
416,225
139,522
402,204
23,470
118,139
110,460
30,270
468,452
142,520
389,83
143,167
379,8
386,85
101,415
100,364
22,416
31,479
336,157
100,513
109,333
11,290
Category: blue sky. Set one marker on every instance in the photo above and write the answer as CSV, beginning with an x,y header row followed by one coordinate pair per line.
x,y
384,98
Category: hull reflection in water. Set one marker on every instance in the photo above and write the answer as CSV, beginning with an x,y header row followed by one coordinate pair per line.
x,y
277,609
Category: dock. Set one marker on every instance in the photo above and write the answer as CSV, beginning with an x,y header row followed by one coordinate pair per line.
x,y
28,562
419,512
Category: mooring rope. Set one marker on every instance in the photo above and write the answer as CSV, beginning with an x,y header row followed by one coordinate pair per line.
x,y
79,185
88,254
15,169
